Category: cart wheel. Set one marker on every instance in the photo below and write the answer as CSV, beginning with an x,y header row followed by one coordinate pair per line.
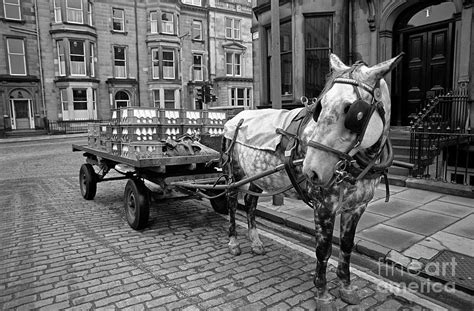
x,y
219,204
88,181
137,204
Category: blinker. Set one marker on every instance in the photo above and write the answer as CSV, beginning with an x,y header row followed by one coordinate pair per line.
x,y
358,115
317,110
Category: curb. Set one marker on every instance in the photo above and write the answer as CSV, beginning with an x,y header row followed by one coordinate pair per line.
x,y
39,138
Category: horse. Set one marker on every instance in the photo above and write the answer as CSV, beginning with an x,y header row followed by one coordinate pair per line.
x,y
342,137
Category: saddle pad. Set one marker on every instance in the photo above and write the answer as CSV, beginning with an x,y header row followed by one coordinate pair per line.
x,y
259,127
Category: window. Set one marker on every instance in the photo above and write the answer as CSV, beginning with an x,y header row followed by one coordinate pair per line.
x,y
77,58
57,11
197,30
12,9
233,64
169,99
232,28
240,97
94,99
197,67
193,2
155,63
167,23
118,20
156,98
61,57
92,59
16,57
63,98
168,65
74,11
286,58
79,99
318,44
153,22
120,62
122,99
89,13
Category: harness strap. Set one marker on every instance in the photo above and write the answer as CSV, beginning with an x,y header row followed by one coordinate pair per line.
x,y
292,145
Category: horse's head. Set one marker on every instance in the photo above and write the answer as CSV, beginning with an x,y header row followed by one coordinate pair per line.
x,y
351,114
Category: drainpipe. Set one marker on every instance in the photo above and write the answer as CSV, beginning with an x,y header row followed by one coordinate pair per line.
x,y
43,97
350,14
137,51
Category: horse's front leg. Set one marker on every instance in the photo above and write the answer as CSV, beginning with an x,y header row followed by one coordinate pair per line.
x,y
349,221
324,224
251,207
234,245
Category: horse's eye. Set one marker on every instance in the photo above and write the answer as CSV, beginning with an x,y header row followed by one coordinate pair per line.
x,y
346,109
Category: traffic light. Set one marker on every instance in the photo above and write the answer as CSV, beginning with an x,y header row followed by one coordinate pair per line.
x,y
207,93
200,95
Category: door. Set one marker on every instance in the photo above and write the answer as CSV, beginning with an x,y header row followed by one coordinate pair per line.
x,y
427,67
21,114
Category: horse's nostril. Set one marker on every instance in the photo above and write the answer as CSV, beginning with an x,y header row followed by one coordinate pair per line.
x,y
314,177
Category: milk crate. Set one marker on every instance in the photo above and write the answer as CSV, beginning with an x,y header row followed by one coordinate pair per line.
x,y
105,131
104,144
115,116
215,118
143,150
114,147
169,131
170,117
115,133
93,129
93,142
192,117
139,115
131,133
192,129
213,130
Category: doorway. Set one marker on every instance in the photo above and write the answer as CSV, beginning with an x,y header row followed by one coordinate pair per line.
x,y
427,68
22,117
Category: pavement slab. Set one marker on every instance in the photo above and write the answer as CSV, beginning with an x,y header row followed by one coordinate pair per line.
x,y
416,195
464,227
444,240
392,208
421,222
446,208
458,200
419,251
391,237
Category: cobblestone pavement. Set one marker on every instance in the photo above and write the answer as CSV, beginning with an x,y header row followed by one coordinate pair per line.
x,y
59,251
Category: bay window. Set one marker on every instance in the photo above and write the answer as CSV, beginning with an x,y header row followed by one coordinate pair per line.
x,y
155,63
167,23
61,57
74,11
168,64
153,22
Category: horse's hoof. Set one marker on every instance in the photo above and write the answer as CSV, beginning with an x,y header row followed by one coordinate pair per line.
x,y
235,250
325,303
349,295
258,250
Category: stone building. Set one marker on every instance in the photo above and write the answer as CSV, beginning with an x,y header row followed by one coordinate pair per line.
x,y
21,104
436,36
81,58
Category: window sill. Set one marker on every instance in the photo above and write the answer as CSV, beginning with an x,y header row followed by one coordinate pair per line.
x,y
10,20
197,40
119,32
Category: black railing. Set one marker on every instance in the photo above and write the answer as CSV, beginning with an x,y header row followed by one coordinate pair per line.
x,y
67,126
442,143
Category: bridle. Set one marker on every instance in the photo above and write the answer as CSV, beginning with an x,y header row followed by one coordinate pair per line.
x,y
353,165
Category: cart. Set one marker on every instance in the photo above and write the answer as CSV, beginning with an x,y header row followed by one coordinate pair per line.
x,y
162,171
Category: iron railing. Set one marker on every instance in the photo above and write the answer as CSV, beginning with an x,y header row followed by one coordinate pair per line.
x,y
67,126
442,143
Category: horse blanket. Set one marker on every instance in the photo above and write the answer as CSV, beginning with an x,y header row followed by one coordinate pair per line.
x,y
259,127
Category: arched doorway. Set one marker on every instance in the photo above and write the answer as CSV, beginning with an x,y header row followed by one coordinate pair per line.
x,y
426,34
21,110
122,99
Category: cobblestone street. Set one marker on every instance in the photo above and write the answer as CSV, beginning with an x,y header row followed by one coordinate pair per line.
x,y
61,251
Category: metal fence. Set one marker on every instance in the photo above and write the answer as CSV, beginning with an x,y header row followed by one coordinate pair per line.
x,y
67,126
442,143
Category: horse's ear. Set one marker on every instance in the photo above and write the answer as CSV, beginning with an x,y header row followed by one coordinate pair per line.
x,y
378,71
336,63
